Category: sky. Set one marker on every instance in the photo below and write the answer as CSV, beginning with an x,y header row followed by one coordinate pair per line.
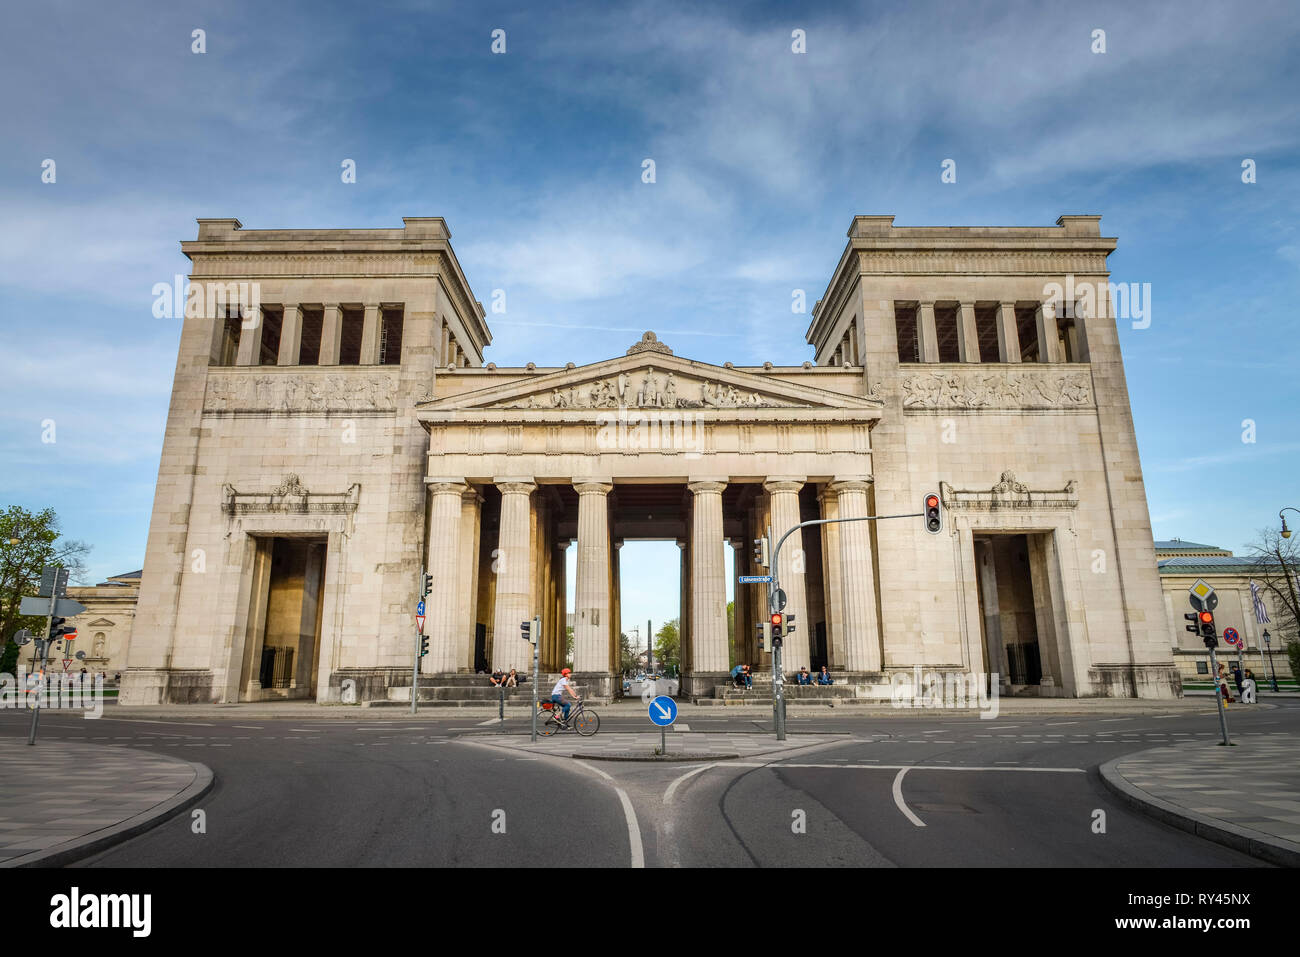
x,y
534,156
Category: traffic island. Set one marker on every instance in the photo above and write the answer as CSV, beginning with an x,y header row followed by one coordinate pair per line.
x,y
1242,797
63,801
641,745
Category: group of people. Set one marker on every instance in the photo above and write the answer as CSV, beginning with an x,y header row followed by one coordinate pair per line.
x,y
501,679
1245,682
742,677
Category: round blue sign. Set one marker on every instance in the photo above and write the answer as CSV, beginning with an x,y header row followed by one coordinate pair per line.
x,y
663,711
1231,637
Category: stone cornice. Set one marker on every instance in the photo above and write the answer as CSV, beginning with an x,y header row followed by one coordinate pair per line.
x,y
1009,494
290,497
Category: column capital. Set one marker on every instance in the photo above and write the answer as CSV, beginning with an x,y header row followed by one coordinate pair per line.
x,y
445,486
840,486
783,484
707,486
593,487
515,486
471,495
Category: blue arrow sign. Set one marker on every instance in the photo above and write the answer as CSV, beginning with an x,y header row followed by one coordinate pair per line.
x,y
663,711
755,579
419,609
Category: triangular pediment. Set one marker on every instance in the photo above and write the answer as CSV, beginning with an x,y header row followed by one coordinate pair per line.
x,y
649,381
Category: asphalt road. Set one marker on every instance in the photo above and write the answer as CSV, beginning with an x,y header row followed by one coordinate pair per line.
x,y
903,791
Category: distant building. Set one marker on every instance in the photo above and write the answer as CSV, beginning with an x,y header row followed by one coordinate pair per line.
x,y
103,629
1181,564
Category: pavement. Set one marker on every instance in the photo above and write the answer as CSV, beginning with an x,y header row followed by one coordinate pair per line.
x,y
682,745
1246,796
64,800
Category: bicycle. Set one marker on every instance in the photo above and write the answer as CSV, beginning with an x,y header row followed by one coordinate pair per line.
x,y
585,722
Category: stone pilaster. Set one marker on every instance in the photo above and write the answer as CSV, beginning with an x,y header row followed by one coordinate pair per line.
x,y
968,341
861,637
331,334
1049,346
509,649
442,561
591,624
928,333
290,335
708,583
1008,333
370,336
784,495
250,338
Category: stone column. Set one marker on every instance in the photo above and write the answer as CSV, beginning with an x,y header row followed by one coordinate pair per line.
x,y
858,582
741,635
467,578
927,332
784,494
250,338
556,651
1049,346
1008,334
968,338
509,650
331,334
370,336
832,578
616,608
683,597
290,335
590,628
442,561
708,585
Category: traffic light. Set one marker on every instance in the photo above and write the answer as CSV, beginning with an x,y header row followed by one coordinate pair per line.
x,y
526,630
760,552
1208,632
776,621
426,585
933,514
763,629
424,645
59,628
789,624
1195,619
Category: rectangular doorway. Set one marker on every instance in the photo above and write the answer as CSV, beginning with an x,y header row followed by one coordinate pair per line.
x,y
285,619
1017,616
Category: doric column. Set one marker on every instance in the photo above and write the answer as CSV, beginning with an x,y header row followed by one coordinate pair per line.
x,y
467,578
616,608
1049,346
968,339
784,495
370,336
331,334
1008,333
742,635
832,578
929,335
250,337
442,561
708,580
861,651
290,335
591,625
683,597
557,651
509,650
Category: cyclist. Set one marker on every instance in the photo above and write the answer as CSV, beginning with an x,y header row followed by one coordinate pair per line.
x,y
557,694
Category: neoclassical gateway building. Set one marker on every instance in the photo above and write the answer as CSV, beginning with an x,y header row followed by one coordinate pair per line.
x,y
337,430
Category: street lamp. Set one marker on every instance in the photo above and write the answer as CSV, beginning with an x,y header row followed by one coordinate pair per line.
x,y
1269,650
1286,532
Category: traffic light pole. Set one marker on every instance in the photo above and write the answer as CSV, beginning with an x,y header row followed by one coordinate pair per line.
x,y
778,677
415,668
1218,695
537,644
45,655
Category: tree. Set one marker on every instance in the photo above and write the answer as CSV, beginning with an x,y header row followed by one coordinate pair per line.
x,y
28,542
1277,565
668,647
627,654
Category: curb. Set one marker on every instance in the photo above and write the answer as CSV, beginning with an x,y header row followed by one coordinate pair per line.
x,y
657,759
1273,850
90,844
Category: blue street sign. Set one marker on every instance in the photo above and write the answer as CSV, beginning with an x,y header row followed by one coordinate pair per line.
x,y
663,711
419,609
755,579
1231,637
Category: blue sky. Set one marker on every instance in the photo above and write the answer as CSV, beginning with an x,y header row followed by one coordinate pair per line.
x,y
534,158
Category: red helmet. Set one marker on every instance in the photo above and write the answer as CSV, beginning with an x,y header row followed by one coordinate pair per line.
x,y
564,672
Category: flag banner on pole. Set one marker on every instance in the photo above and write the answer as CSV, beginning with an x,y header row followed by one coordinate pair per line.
x,y
1261,613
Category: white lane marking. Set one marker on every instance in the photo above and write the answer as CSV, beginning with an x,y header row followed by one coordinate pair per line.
x,y
681,727
482,724
629,812
902,805
1106,720
247,727
672,788
1060,724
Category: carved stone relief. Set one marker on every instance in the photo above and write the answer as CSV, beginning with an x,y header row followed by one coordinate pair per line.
x,y
996,389
648,389
267,392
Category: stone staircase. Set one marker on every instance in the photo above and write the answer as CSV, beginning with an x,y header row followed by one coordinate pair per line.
x,y
727,693
474,691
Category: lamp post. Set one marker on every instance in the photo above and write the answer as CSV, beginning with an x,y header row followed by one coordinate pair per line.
x,y
1269,650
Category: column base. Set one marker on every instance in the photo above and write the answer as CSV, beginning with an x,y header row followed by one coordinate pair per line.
x,y
153,686
700,684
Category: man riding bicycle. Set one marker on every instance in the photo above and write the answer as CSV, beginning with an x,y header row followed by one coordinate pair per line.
x,y
557,694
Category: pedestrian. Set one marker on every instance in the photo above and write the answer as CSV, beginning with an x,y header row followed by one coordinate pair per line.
x,y
1236,678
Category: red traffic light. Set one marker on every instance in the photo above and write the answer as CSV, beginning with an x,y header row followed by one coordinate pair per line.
x,y
777,618
931,501
1206,617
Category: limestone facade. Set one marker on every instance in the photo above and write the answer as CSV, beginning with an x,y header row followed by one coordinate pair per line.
x,y
326,445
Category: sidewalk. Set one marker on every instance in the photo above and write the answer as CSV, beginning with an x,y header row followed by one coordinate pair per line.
x,y
62,801
641,745
1246,797
758,707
